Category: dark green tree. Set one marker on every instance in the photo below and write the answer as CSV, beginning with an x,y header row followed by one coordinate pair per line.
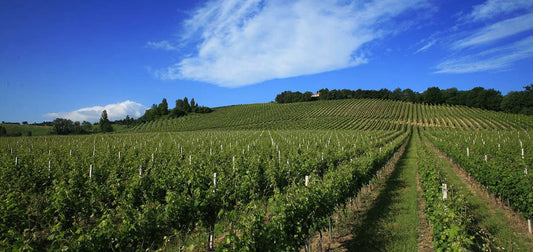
x,y
86,126
163,107
62,126
433,95
186,105
3,131
105,124
410,95
77,129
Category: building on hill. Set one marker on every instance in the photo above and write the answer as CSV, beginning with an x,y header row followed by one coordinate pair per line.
x,y
315,95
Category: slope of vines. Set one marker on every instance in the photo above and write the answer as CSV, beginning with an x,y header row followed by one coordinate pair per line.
x,y
362,114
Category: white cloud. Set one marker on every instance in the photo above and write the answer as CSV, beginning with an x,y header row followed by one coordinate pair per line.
x,y
496,58
426,46
501,36
163,45
494,8
245,42
115,111
498,31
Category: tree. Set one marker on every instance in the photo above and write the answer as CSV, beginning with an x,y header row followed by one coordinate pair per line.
x,y
187,106
105,124
77,127
433,95
86,126
193,104
3,131
163,107
62,126
410,95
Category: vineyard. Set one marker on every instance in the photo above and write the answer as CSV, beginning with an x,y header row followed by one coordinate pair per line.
x,y
266,177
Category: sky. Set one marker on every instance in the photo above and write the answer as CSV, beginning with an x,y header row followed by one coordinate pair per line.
x,y
73,59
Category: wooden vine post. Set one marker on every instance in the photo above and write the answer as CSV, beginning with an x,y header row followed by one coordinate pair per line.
x,y
444,191
90,173
212,229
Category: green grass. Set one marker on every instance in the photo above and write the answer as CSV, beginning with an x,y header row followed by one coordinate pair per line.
x,y
392,222
487,217
24,130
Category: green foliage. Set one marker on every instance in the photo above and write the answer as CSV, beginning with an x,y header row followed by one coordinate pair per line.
x,y
105,124
163,107
145,189
63,126
433,95
355,114
478,97
24,130
449,218
503,170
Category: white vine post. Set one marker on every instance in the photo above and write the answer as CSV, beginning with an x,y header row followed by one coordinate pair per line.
x,y
306,180
90,172
214,181
525,169
444,191
49,165
140,170
529,227
16,161
486,158
467,152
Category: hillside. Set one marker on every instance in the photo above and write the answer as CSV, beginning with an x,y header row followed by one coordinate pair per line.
x,y
26,130
341,114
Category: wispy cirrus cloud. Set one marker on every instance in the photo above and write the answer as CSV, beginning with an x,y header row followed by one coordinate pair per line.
x,y
115,111
245,42
426,46
501,37
493,8
494,59
498,30
163,45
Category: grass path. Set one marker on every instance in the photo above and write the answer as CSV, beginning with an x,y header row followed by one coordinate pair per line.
x,y
488,216
391,223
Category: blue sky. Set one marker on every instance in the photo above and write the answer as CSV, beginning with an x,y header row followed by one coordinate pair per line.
x,y
73,59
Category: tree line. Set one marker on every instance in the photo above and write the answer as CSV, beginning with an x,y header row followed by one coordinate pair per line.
x,y
62,126
183,107
478,97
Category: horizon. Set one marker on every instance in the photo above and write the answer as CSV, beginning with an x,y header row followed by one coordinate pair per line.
x,y
65,59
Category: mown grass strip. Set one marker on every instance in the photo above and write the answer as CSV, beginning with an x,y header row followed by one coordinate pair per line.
x,y
391,224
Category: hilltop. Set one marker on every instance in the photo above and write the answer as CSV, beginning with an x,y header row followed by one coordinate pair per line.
x,y
340,114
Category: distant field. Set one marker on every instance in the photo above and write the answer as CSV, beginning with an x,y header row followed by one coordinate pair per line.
x,y
26,130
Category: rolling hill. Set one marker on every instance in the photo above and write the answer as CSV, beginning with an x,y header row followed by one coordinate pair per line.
x,y
353,114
